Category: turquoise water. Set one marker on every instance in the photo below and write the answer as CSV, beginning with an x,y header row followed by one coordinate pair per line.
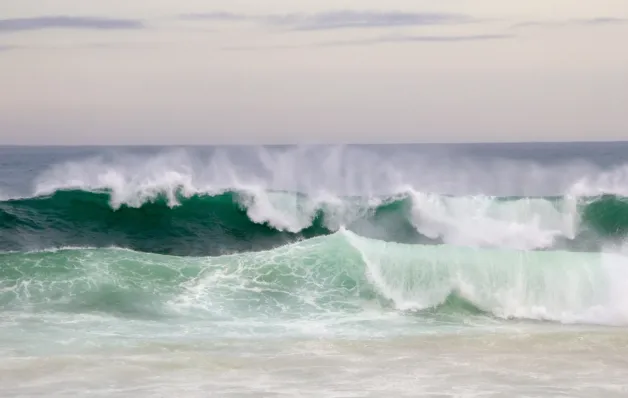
x,y
160,283
323,278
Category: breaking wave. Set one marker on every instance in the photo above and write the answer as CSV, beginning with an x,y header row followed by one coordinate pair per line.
x,y
338,273
170,235
234,221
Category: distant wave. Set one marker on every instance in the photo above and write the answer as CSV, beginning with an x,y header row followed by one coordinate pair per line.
x,y
200,224
185,203
235,221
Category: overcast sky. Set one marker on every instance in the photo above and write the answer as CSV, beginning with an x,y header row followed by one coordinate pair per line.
x,y
280,71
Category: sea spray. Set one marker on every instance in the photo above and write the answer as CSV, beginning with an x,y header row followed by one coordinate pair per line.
x,y
234,221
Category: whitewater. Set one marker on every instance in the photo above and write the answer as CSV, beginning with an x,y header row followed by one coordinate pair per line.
x,y
461,270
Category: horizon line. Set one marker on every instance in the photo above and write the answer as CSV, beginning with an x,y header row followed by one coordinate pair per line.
x,y
47,145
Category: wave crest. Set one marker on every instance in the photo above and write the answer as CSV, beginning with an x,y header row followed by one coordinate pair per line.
x,y
232,221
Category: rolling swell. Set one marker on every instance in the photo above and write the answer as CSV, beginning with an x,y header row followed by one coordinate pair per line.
x,y
237,221
338,273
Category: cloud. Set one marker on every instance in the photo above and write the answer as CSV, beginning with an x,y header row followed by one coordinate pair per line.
x,y
61,48
418,39
337,19
384,40
363,19
604,21
67,22
572,22
214,16
83,46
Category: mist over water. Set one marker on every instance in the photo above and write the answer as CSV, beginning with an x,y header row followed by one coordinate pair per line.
x,y
321,256
219,200
541,170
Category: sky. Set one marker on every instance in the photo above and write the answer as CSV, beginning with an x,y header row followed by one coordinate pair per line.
x,y
278,71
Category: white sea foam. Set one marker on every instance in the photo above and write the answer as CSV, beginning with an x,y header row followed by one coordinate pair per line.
x,y
333,277
455,200
566,287
526,223
326,315
614,182
306,277
339,170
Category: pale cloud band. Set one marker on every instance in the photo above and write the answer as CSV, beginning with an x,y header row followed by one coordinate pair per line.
x,y
346,19
328,20
383,40
601,21
425,39
215,16
67,22
364,19
338,19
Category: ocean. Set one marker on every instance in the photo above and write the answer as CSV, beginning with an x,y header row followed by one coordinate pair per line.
x,y
475,270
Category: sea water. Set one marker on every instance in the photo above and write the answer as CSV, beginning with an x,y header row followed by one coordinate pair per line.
x,y
366,271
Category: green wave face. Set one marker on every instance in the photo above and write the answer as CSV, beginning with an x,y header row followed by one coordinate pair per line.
x,y
199,225
337,274
250,221
608,215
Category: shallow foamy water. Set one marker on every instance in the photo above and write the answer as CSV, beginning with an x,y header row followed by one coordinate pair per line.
x,y
547,362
